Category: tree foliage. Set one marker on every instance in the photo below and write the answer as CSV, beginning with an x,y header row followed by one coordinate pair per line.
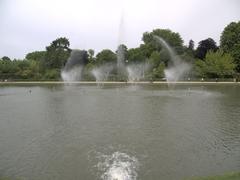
x,y
57,53
230,41
208,61
172,38
191,45
135,55
155,59
216,65
151,43
5,58
106,56
204,46
36,55
91,53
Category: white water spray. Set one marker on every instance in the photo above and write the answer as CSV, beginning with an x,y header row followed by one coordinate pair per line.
x,y
74,66
118,166
73,74
102,73
136,72
178,68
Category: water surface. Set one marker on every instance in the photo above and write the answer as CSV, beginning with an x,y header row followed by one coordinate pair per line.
x,y
118,131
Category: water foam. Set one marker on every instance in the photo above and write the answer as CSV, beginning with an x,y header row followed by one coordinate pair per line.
x,y
118,166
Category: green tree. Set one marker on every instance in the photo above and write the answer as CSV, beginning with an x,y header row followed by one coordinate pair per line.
x,y
23,69
155,59
135,55
57,53
230,41
158,72
191,45
91,55
36,55
172,38
8,68
106,56
189,50
52,74
5,58
152,43
34,67
216,65
200,68
147,50
204,46
157,66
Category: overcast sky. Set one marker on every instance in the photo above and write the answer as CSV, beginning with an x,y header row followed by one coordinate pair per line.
x,y
30,25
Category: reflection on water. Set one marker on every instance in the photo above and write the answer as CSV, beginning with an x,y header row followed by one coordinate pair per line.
x,y
135,132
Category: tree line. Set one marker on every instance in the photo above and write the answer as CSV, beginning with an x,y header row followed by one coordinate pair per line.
x,y
207,60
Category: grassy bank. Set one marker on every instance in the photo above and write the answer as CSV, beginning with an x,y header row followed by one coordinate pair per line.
x,y
229,176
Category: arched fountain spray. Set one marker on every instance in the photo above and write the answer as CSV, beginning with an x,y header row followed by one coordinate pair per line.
x,y
178,67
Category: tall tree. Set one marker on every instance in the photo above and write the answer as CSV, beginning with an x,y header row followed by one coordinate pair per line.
x,y
230,41
57,53
191,45
204,46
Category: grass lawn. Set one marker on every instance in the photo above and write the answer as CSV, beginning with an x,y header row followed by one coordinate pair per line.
x,y
229,176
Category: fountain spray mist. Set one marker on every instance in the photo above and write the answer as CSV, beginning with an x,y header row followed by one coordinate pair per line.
x,y
121,69
178,67
101,73
136,72
72,70
120,51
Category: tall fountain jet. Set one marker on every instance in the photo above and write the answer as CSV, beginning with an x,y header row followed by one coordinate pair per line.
x,y
130,72
177,67
120,55
101,73
121,69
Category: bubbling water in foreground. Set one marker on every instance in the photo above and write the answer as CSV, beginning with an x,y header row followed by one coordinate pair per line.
x,y
178,67
118,166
